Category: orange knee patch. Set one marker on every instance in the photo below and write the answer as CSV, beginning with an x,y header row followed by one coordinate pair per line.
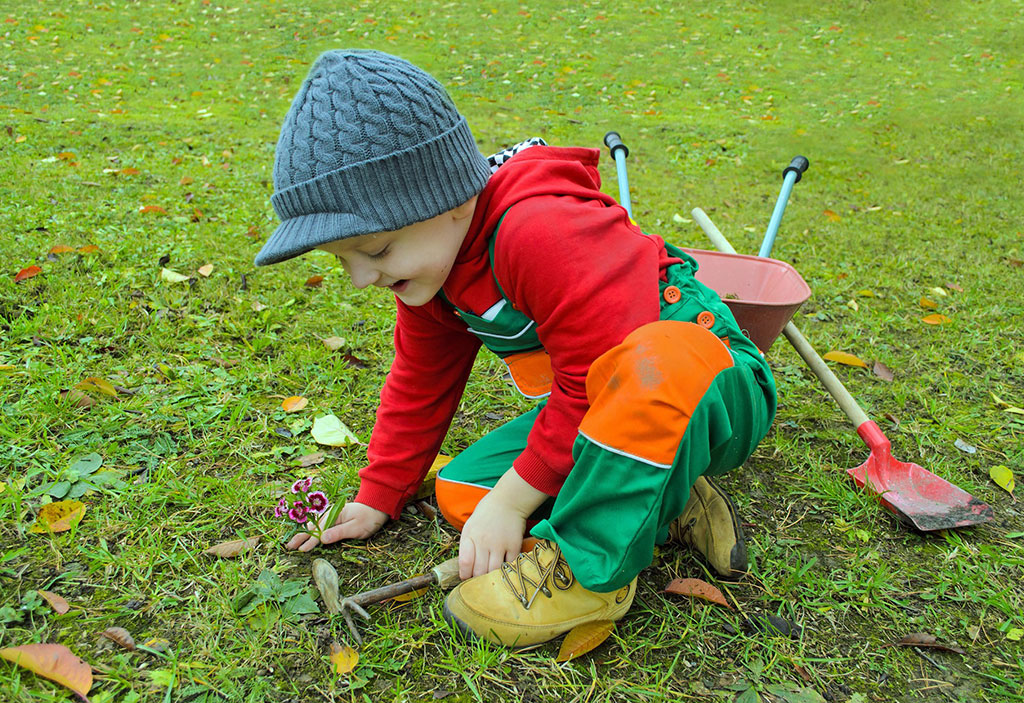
x,y
643,391
457,501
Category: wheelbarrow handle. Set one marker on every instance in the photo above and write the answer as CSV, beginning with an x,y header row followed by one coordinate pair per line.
x,y
619,152
790,176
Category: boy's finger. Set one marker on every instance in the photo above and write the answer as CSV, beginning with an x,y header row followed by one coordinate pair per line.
x,y
467,555
309,544
296,541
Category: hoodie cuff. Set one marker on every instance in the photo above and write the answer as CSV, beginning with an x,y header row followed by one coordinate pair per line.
x,y
381,497
535,471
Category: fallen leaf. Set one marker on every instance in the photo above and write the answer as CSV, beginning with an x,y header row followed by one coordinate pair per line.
x,y
426,488
61,249
205,270
1006,406
832,217
923,639
325,576
1014,634
329,430
88,249
52,661
156,644
27,272
311,459
95,383
883,371
334,343
941,292
583,638
411,595
866,293
257,306
927,303
59,605
58,517
78,398
344,658
844,358
232,548
120,636
314,281
355,361
696,588
964,446
152,208
935,319
974,631
172,276
1003,478
294,403
852,304
954,286
772,625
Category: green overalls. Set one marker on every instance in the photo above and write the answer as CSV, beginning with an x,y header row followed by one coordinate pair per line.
x,y
685,396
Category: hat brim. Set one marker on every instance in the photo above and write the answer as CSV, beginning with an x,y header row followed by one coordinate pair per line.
x,y
297,235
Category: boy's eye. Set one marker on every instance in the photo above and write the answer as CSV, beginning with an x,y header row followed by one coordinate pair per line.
x,y
380,254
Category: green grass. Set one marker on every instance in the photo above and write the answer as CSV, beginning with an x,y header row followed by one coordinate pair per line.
x,y
911,119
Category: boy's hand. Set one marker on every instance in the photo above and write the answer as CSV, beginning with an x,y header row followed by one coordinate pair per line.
x,y
493,534
355,521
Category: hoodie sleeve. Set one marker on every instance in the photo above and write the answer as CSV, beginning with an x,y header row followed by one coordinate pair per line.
x,y
434,354
596,282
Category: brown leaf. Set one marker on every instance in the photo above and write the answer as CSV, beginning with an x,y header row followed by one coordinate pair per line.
x,y
27,272
78,398
311,459
344,658
355,361
58,517
314,281
923,639
883,371
88,249
844,358
294,404
59,605
120,636
411,595
53,661
231,549
832,217
696,588
61,249
325,576
583,638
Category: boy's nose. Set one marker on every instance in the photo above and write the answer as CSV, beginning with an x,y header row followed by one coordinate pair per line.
x,y
363,276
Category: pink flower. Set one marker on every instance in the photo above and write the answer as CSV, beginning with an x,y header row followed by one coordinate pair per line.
x,y
281,509
302,485
317,502
299,513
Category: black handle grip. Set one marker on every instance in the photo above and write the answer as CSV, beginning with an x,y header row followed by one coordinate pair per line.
x,y
799,164
613,141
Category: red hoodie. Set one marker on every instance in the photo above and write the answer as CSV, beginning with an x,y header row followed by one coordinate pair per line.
x,y
567,257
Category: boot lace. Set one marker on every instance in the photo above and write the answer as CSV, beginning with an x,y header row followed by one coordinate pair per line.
x,y
524,587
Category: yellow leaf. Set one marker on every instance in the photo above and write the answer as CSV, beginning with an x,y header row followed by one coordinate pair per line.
x,y
88,249
334,343
832,217
293,404
93,383
926,303
866,293
844,358
583,638
206,270
61,249
172,276
426,488
58,517
53,661
331,431
411,595
343,658
1003,478
941,292
1006,406
935,319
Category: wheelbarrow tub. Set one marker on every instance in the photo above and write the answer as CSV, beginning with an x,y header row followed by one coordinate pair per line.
x,y
763,294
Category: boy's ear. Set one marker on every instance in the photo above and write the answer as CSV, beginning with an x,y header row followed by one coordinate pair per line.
x,y
465,210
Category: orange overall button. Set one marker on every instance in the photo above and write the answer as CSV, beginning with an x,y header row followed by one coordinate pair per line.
x,y
706,320
672,295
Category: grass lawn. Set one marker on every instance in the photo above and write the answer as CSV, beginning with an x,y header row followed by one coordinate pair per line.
x,y
139,136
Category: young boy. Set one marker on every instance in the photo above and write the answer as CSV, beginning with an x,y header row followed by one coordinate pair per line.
x,y
650,386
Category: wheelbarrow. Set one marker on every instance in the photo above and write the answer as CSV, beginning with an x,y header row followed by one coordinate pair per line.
x,y
913,494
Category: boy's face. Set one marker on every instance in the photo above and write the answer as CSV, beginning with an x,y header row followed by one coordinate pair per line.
x,y
413,261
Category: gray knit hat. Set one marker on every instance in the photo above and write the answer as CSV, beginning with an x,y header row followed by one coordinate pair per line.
x,y
371,143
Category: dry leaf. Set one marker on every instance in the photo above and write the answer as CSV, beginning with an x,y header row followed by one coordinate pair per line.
x,y
325,576
923,639
58,517
27,272
411,595
206,270
157,644
232,548
314,281
78,398
583,638
844,358
120,636
53,661
343,658
311,459
696,588
334,343
426,488
954,286
832,217
172,276
941,292
100,385
935,319
152,208
294,404
1003,478
88,249
61,249
926,303
257,306
59,605
1006,406
883,371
